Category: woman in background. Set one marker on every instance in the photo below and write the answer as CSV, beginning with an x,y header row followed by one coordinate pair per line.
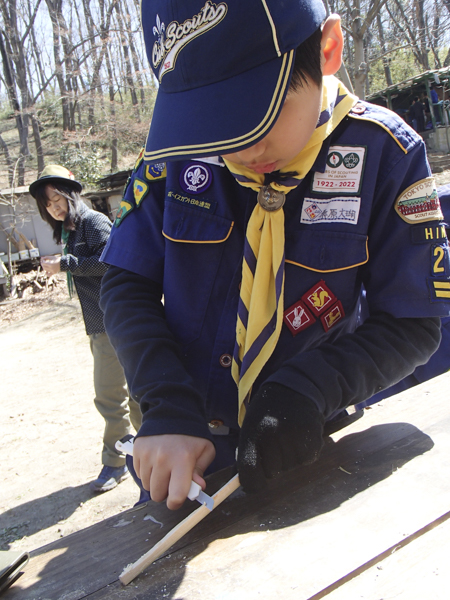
x,y
84,233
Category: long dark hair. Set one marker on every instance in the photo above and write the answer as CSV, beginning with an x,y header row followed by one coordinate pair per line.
x,y
74,203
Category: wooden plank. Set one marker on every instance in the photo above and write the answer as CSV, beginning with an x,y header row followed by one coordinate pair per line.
x,y
417,571
376,482
175,534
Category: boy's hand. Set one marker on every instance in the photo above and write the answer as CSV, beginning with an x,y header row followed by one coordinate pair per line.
x,y
282,429
166,465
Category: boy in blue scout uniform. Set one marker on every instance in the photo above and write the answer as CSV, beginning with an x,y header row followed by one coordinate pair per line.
x,y
265,198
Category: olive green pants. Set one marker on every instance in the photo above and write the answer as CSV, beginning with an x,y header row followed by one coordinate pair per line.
x,y
122,414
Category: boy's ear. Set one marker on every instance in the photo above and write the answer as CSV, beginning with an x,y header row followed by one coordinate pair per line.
x,y
332,45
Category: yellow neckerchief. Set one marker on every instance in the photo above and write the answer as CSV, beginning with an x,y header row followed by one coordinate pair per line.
x,y
260,311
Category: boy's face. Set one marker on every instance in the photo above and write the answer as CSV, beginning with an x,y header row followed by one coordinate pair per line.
x,y
289,135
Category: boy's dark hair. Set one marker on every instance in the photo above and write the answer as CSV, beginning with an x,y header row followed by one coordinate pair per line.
x,y
307,65
73,201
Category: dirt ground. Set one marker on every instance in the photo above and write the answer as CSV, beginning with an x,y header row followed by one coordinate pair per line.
x,y
50,431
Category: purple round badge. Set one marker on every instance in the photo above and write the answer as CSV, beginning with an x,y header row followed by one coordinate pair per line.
x,y
196,178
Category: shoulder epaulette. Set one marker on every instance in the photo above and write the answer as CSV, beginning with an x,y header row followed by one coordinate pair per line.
x,y
395,126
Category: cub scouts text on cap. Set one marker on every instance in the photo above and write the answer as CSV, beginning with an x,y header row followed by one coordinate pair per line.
x,y
223,69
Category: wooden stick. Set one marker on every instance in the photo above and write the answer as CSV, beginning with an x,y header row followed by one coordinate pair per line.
x,y
133,570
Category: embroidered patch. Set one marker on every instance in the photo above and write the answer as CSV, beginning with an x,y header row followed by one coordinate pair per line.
x,y
343,173
342,210
439,289
440,261
172,39
140,190
420,202
196,178
158,171
297,317
422,234
319,298
140,158
330,318
124,209
209,205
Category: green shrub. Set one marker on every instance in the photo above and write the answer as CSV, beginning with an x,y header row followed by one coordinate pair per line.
x,y
83,162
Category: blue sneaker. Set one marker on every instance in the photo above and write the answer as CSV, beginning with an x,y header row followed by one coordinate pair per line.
x,y
109,478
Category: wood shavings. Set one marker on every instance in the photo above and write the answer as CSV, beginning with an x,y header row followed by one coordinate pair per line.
x,y
344,471
150,518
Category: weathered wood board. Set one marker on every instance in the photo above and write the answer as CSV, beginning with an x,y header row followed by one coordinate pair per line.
x,y
312,534
419,571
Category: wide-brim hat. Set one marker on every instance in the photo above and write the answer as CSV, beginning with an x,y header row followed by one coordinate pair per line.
x,y
223,69
55,174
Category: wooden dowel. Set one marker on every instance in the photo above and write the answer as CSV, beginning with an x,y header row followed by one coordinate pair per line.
x,y
133,570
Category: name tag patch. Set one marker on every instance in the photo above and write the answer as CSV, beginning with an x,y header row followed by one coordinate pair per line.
x,y
343,173
343,210
202,203
419,202
424,234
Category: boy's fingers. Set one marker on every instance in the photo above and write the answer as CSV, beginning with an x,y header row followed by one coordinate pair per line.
x,y
159,484
144,474
179,485
203,461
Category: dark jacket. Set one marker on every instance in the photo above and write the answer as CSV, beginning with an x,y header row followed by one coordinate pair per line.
x,y
84,248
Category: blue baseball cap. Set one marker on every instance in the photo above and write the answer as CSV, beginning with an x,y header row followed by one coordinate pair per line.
x,y
223,70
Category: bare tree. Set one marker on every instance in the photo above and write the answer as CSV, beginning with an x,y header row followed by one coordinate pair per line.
x,y
385,59
126,56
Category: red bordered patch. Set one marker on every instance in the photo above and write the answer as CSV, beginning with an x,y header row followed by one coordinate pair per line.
x,y
332,316
319,298
297,317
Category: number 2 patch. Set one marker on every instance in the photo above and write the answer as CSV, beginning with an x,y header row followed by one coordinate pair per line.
x,y
440,260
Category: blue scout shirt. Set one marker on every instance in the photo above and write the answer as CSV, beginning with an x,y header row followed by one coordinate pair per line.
x,y
366,214
439,363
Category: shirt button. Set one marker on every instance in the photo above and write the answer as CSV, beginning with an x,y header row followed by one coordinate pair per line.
x,y
215,423
225,360
359,108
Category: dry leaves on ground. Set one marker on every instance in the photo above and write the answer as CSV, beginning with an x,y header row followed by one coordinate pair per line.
x,y
33,300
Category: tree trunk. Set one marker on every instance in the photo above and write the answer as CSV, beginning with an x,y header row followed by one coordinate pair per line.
x,y
387,69
125,49
112,112
9,161
421,30
21,123
104,38
134,55
38,143
358,43
55,6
